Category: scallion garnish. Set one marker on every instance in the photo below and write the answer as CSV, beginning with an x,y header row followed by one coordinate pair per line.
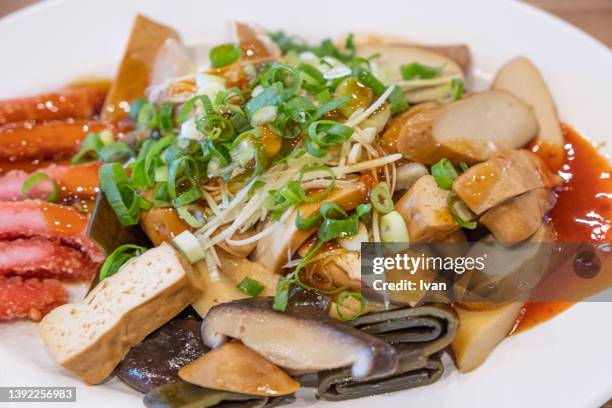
x,y
462,214
223,55
444,173
120,194
419,71
118,258
323,134
37,178
344,296
250,287
281,299
147,115
166,116
192,215
381,198
89,149
114,152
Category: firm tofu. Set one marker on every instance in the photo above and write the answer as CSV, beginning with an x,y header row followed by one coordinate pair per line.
x,y
505,175
425,210
91,337
519,218
272,250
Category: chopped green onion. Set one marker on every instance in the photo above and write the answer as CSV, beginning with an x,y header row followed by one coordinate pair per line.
x,y
224,54
332,105
135,107
107,137
192,215
304,224
393,228
343,297
397,100
121,196
250,287
36,178
270,96
281,299
312,72
89,149
332,228
190,104
462,214
265,115
161,173
148,116
166,114
419,71
368,79
444,173
364,211
118,151
189,246
118,258
323,134
312,168
463,166
284,74
381,198
216,127
458,87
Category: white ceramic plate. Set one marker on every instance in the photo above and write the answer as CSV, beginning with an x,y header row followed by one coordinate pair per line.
x,y
566,362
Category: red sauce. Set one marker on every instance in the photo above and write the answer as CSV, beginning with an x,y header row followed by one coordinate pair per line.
x,y
583,213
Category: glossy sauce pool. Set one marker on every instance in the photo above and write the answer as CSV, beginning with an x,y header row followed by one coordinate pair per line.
x,y
583,213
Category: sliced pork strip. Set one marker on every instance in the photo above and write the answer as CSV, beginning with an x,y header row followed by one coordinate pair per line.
x,y
29,298
81,103
43,258
73,181
31,218
30,140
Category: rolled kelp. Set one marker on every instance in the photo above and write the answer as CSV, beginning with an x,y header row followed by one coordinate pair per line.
x,y
418,335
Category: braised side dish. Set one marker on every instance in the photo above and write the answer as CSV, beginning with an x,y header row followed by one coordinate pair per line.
x,y
216,207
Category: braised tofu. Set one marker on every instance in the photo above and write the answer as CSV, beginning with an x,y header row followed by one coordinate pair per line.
x,y
519,218
91,337
505,175
425,210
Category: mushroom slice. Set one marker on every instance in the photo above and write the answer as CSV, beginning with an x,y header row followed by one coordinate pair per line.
x,y
302,342
521,78
425,210
236,368
517,219
505,175
469,130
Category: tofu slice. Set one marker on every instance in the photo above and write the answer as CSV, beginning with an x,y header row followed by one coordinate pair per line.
x,y
518,218
425,210
505,175
91,337
272,250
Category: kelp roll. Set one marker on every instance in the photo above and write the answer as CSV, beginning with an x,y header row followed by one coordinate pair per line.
x,y
418,334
